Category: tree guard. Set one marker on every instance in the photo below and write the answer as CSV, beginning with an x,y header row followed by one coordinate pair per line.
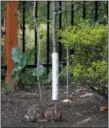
x,y
55,58
11,39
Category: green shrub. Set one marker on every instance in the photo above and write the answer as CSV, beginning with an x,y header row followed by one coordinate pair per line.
x,y
63,75
90,44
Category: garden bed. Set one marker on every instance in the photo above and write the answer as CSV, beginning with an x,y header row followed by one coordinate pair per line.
x,y
84,111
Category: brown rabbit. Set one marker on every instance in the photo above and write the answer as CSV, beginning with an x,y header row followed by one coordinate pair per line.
x,y
34,113
51,114
43,112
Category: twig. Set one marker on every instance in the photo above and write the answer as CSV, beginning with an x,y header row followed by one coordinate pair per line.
x,y
67,72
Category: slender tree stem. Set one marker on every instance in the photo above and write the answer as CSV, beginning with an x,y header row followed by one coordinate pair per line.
x,y
38,51
67,72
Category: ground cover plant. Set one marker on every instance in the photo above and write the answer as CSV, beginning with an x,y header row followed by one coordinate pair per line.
x,y
22,75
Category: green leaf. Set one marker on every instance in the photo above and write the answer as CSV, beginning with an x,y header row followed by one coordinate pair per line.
x,y
40,70
6,86
23,61
29,54
16,55
34,72
19,58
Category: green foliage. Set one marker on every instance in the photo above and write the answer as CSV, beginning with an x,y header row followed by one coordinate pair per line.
x,y
96,73
78,72
89,42
40,71
21,61
63,75
24,76
83,33
6,86
19,58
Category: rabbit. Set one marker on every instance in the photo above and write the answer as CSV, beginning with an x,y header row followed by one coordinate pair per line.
x,y
43,112
50,114
34,113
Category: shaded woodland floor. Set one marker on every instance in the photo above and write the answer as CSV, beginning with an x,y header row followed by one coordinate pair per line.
x,y
84,111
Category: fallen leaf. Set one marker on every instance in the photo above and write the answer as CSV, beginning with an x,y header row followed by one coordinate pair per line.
x,y
103,108
66,101
88,94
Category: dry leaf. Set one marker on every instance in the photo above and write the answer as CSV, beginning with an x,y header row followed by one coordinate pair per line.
x,y
66,101
103,108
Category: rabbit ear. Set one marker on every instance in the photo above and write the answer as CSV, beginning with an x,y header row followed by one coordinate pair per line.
x,y
26,117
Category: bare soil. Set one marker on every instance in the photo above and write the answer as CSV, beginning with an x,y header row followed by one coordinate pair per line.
x,y
84,111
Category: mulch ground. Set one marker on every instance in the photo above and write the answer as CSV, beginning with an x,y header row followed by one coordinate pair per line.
x,y
84,111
